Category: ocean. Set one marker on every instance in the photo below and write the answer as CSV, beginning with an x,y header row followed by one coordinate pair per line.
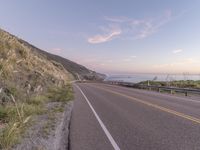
x,y
135,78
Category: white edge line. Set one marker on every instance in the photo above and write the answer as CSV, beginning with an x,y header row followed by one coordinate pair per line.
x,y
109,136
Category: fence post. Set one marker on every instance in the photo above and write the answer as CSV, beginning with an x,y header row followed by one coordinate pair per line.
x,y
171,91
186,93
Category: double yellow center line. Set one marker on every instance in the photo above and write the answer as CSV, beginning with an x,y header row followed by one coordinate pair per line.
x,y
193,119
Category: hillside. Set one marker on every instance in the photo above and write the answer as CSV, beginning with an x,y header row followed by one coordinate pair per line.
x,y
31,85
77,70
22,67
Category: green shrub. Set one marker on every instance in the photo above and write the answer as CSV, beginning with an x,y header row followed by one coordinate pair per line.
x,y
30,109
60,94
10,135
17,121
37,100
3,114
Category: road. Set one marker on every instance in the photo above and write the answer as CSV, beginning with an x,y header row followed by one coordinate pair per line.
x,y
107,117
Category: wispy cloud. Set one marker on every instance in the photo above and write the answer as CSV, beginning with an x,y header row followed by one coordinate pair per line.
x,y
141,28
120,19
56,50
177,64
177,51
129,59
105,37
133,56
130,28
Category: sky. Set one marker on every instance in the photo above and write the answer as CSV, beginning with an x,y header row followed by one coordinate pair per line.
x,y
111,36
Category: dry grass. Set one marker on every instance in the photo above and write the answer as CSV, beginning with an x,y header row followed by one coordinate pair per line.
x,y
17,115
17,120
25,75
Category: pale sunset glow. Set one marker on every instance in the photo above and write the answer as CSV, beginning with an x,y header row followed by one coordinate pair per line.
x,y
131,36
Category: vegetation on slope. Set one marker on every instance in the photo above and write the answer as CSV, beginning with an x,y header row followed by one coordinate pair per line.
x,y
77,70
28,81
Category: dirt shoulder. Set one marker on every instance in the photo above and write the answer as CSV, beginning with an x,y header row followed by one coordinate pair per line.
x,y
49,131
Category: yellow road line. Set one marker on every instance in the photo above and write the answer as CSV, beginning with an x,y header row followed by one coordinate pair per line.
x,y
193,119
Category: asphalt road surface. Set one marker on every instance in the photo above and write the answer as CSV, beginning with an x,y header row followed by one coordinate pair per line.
x,y
107,117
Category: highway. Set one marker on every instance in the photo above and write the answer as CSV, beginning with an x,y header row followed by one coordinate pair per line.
x,y
109,117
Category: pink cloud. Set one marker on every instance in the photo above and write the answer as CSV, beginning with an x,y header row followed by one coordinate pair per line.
x,y
104,38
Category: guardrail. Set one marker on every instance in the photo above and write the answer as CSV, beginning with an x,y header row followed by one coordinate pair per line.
x,y
172,90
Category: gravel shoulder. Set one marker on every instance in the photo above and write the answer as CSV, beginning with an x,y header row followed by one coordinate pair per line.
x,y
48,131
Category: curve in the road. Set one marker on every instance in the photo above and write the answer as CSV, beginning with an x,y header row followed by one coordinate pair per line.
x,y
188,117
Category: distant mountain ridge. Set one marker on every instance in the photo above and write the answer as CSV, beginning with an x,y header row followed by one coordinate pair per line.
x,y
77,70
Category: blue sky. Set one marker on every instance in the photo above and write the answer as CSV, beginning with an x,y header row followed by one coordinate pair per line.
x,y
109,36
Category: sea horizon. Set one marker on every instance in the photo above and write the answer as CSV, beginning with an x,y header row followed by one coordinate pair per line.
x,y
139,77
